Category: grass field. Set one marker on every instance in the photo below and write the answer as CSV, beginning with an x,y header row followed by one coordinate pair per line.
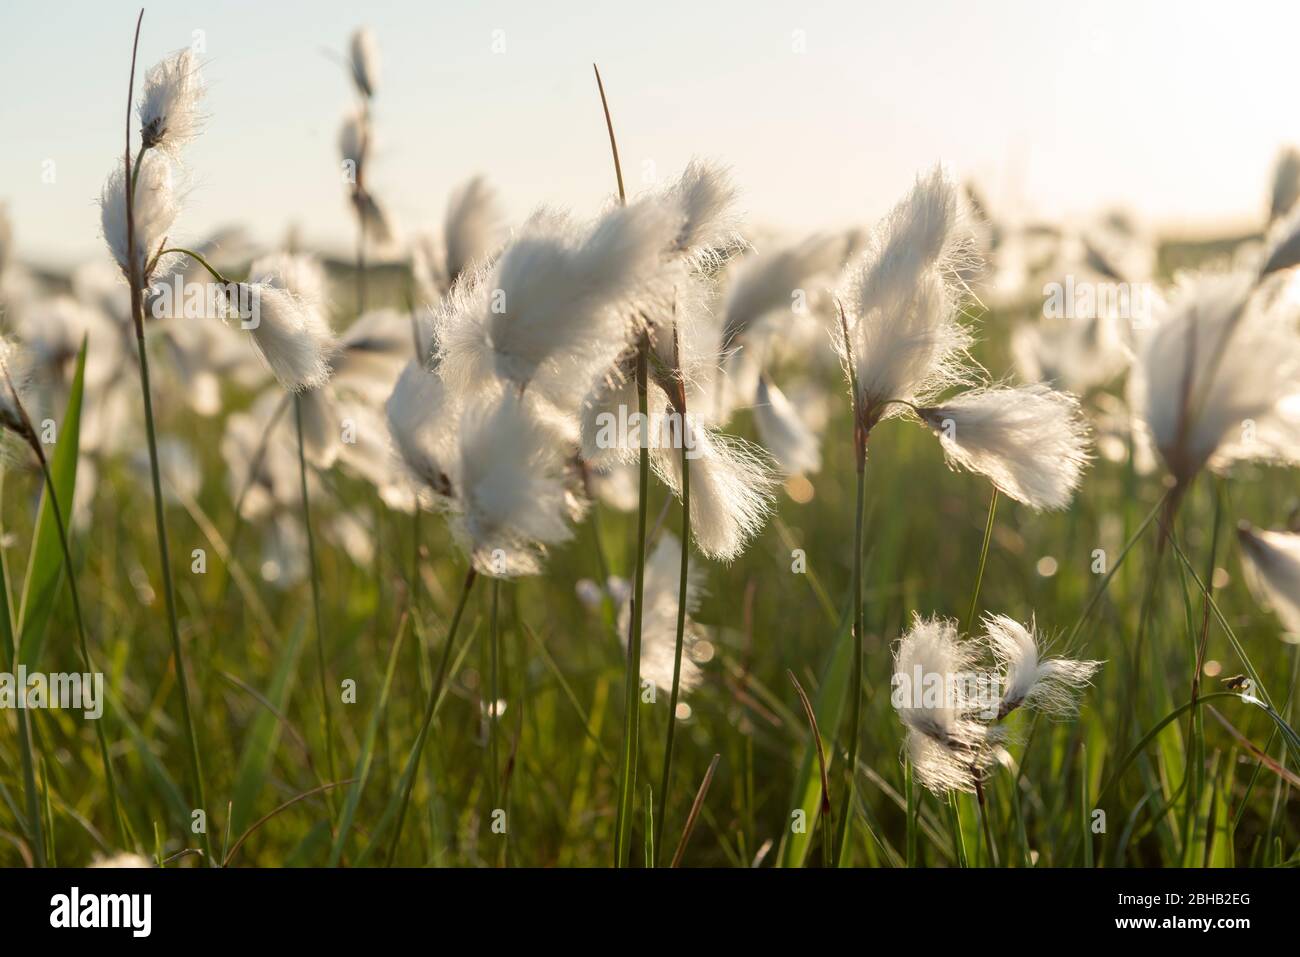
x,y
1138,778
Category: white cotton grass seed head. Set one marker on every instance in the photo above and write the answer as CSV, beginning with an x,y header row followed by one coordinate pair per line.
x,y
1048,685
471,229
784,434
704,198
1272,561
169,103
288,323
1031,441
948,748
156,205
659,620
765,284
511,497
422,420
363,58
549,308
1217,380
902,302
732,488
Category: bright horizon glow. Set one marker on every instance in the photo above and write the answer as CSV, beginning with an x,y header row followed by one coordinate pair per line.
x,y
1173,112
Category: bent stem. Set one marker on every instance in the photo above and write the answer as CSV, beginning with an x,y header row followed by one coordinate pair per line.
x,y
435,692
315,602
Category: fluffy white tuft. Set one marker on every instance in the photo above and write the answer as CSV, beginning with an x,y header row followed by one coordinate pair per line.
x,y
1050,685
1273,561
901,301
659,621
156,205
512,500
169,104
1217,380
947,747
732,488
288,325
422,420
1031,442
783,432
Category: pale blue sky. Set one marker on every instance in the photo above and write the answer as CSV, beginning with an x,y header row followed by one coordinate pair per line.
x,y
1173,109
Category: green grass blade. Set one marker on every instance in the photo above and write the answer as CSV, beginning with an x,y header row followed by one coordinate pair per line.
x,y
45,564
364,760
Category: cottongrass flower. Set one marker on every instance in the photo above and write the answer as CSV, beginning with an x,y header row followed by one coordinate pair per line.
x,y
288,324
169,104
942,688
1217,380
1273,561
1031,441
1286,184
947,746
783,431
470,238
659,620
548,309
156,205
422,419
511,499
363,59
1049,685
901,338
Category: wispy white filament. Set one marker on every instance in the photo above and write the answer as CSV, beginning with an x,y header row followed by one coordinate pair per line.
x,y
1050,685
732,488
1030,442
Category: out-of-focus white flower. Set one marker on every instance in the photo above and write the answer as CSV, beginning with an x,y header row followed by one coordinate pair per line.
x,y
363,58
1286,183
783,432
169,103
470,238
123,859
659,620
422,420
548,308
511,500
156,206
1050,685
1029,441
1273,562
765,284
1218,379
